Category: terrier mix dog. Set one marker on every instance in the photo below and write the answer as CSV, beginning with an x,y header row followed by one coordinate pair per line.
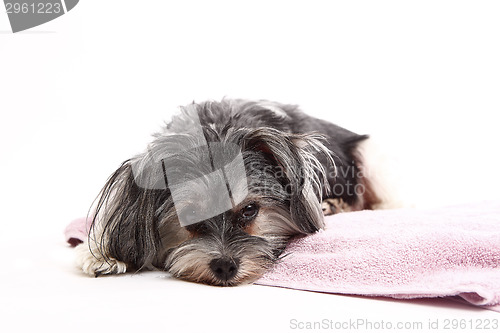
x,y
220,191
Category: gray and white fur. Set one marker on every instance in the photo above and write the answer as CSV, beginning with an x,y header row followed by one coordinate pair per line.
x,y
293,163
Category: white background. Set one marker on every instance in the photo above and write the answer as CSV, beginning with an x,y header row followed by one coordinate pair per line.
x,y
82,93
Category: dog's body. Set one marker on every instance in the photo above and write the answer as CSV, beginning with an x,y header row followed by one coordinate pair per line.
x,y
291,162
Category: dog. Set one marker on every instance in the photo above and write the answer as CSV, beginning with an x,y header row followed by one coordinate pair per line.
x,y
222,188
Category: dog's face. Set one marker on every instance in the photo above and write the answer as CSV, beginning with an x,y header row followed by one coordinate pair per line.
x,y
240,243
162,208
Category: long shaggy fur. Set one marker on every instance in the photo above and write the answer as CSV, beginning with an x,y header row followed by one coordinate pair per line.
x,y
292,162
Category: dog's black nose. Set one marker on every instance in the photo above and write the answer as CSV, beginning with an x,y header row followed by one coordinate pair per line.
x,y
224,268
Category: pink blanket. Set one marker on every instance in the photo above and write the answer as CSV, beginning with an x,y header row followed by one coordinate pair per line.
x,y
406,253
77,231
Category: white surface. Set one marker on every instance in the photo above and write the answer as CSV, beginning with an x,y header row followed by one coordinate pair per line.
x,y
82,93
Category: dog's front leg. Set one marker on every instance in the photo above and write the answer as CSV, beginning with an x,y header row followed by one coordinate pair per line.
x,y
91,261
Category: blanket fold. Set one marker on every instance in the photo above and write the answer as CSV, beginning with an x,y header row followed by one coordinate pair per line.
x,y
76,231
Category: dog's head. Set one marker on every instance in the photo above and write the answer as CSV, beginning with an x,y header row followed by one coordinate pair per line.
x,y
213,205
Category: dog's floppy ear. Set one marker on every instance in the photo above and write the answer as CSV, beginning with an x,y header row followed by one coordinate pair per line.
x,y
298,155
125,221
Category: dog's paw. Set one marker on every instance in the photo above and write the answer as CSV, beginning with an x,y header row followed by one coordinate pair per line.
x,y
332,206
94,264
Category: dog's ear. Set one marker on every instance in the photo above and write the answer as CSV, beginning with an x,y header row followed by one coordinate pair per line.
x,y
297,155
125,224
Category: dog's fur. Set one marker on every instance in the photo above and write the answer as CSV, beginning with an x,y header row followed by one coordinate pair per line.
x,y
292,161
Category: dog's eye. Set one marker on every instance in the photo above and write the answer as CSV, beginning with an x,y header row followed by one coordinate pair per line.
x,y
249,212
